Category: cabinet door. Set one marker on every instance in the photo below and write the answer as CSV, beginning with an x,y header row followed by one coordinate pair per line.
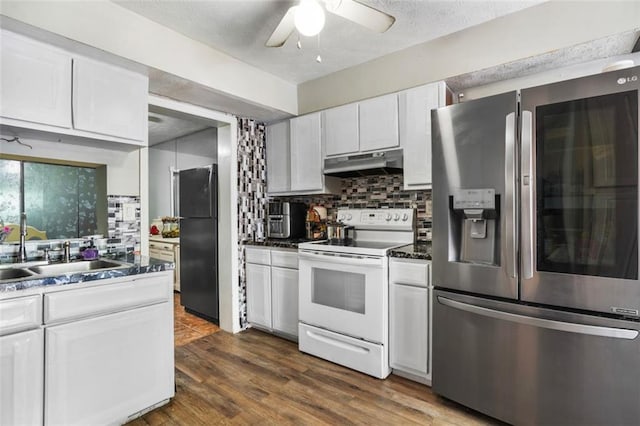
x,y
415,132
409,328
306,153
21,370
259,294
35,81
109,100
379,123
284,297
278,157
104,369
340,130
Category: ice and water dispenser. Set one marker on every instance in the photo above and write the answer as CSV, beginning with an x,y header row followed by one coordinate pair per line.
x,y
474,226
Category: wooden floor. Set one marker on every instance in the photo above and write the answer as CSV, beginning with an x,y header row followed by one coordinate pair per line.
x,y
187,327
256,378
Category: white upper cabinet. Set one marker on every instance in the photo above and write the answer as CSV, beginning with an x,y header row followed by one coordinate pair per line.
x,y
306,153
35,81
109,100
278,157
340,130
55,91
378,123
370,125
415,131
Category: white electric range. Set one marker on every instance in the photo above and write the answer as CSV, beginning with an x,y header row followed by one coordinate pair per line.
x,y
344,290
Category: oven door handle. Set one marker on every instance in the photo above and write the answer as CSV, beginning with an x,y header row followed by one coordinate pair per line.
x,y
341,259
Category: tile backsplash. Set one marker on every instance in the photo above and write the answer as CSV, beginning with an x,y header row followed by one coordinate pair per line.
x,y
123,234
252,197
376,192
124,220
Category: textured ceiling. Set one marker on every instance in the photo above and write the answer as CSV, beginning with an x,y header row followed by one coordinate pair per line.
x,y
164,128
241,27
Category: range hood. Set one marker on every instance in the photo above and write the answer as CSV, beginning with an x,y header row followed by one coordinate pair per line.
x,y
356,165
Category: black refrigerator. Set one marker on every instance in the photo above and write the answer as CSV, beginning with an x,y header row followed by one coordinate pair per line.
x,y
199,241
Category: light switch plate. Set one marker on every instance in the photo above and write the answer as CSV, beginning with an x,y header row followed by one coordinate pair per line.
x,y
129,212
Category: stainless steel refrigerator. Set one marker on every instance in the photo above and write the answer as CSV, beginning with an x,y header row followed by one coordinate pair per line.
x,y
535,252
198,190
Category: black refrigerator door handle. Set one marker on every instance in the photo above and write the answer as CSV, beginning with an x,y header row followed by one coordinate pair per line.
x,y
570,327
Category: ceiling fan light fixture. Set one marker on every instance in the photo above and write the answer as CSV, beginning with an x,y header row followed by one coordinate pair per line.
x,y
309,18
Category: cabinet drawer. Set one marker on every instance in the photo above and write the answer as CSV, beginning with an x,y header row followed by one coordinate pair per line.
x,y
284,259
167,256
153,245
78,303
413,272
260,256
21,313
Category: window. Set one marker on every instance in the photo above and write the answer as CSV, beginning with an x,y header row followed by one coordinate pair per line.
x,y
58,199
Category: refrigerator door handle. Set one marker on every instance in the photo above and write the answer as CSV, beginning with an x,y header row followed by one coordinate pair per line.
x,y
569,327
527,194
510,195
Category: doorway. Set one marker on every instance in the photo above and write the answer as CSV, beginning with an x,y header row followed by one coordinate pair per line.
x,y
201,121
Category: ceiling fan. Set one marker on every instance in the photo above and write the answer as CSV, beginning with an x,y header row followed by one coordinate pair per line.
x,y
310,12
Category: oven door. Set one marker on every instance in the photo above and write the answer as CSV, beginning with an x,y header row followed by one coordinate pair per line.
x,y
344,293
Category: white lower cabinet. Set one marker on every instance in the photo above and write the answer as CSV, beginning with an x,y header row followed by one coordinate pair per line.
x,y
410,319
272,289
102,370
259,294
21,373
87,353
169,251
108,350
284,300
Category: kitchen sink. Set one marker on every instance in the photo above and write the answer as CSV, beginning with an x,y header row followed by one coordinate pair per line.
x,y
13,273
82,266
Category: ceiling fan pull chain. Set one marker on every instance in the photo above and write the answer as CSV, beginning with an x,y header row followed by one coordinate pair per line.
x,y
319,58
299,43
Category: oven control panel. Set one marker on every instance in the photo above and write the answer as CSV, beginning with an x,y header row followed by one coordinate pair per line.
x,y
377,218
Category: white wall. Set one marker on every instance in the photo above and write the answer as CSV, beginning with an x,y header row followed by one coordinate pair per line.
x,y
123,171
194,150
198,149
528,33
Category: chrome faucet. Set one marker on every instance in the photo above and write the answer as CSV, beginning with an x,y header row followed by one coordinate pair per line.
x,y
67,252
22,251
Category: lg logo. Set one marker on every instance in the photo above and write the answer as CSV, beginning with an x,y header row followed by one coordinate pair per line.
x,y
623,80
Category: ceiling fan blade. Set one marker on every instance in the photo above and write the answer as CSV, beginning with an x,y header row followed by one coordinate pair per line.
x,y
362,14
283,30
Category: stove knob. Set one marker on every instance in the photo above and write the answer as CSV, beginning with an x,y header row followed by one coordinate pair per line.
x,y
396,217
387,217
340,217
349,216
405,217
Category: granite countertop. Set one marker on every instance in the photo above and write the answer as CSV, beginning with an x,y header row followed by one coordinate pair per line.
x,y
282,243
420,250
132,265
161,239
